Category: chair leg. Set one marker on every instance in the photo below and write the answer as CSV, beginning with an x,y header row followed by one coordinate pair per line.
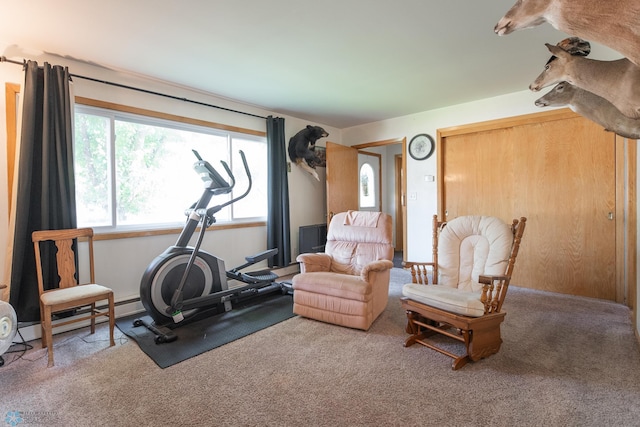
x,y
460,361
48,335
93,319
112,319
43,335
413,327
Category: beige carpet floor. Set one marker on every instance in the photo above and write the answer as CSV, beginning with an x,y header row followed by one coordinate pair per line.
x,y
565,361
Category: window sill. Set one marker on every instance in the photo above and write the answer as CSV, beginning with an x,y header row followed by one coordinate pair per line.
x,y
162,231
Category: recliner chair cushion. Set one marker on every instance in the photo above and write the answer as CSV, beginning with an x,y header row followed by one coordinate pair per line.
x,y
338,285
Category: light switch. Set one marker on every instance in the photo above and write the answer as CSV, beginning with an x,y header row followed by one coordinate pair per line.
x,y
429,178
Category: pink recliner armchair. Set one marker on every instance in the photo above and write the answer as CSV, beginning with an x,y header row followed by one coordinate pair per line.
x,y
348,284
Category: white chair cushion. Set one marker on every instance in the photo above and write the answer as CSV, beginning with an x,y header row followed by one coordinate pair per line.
x,y
471,246
63,295
446,298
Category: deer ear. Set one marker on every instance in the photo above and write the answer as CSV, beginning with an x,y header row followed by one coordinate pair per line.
x,y
557,51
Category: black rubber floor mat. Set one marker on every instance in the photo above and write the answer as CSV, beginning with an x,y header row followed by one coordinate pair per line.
x,y
206,334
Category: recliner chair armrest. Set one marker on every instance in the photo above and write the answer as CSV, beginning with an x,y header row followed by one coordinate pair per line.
x,y
374,267
311,262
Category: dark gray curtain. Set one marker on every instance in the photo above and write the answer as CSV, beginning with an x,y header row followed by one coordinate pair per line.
x,y
278,226
45,183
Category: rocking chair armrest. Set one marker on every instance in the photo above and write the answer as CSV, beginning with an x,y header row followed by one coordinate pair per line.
x,y
487,280
375,267
420,271
310,262
493,295
408,264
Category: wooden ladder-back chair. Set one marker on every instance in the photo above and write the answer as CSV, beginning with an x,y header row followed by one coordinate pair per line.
x,y
460,293
68,294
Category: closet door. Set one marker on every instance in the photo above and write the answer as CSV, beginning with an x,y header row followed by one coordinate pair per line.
x,y
561,175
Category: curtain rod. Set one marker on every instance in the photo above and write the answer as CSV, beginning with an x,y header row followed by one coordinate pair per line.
x,y
24,63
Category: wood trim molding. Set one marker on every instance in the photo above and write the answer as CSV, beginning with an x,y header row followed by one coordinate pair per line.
x,y
11,93
379,143
176,231
545,116
150,113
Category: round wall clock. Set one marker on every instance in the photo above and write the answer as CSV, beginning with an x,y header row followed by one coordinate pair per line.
x,y
421,146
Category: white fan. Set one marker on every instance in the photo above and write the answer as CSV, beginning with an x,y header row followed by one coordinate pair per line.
x,y
8,327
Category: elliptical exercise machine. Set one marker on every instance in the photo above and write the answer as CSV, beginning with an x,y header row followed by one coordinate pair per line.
x,y
185,283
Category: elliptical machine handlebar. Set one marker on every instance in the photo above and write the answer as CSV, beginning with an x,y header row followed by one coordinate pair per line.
x,y
215,185
213,210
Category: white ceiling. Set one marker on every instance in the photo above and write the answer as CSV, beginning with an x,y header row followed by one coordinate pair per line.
x,y
335,62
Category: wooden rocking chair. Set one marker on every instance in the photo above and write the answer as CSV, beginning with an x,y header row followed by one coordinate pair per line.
x,y
473,259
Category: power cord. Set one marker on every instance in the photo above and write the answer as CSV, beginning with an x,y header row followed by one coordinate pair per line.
x,y
23,350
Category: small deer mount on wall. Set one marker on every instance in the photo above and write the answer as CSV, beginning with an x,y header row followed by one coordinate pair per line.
x,y
611,23
584,102
617,81
606,92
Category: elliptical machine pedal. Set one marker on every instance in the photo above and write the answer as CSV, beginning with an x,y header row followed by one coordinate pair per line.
x,y
287,288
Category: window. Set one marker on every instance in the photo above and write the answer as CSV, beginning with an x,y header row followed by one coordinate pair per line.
x,y
134,171
367,187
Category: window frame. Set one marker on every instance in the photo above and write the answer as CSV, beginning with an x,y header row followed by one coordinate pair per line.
x,y
168,119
